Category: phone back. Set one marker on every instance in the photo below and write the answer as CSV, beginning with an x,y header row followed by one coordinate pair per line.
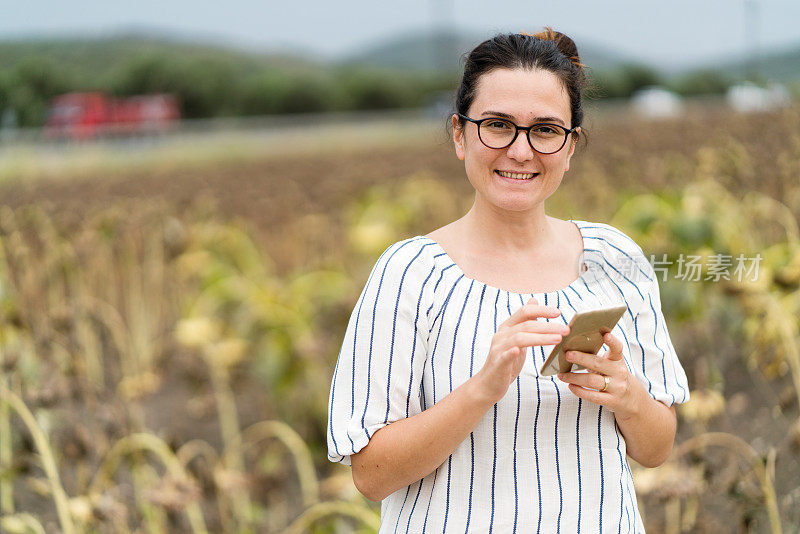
x,y
585,335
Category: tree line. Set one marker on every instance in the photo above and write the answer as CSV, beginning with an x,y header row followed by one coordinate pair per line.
x,y
213,87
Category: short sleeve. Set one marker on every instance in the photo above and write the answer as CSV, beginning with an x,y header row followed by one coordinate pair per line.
x,y
378,373
653,356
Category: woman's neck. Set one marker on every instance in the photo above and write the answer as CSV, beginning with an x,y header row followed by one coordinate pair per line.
x,y
508,232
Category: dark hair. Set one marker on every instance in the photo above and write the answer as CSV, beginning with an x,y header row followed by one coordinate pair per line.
x,y
547,50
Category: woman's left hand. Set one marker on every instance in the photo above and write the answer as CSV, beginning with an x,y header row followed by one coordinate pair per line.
x,y
623,395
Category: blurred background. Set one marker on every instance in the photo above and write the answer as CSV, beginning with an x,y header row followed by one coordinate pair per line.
x,y
192,196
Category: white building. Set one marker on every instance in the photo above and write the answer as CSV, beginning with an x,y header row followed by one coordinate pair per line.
x,y
656,102
747,97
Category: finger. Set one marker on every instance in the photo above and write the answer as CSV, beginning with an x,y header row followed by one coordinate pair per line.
x,y
530,339
597,397
592,362
614,347
531,311
541,327
584,380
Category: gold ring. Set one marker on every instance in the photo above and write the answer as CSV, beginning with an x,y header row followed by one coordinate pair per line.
x,y
607,379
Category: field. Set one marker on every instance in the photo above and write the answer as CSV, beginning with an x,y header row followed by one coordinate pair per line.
x,y
170,317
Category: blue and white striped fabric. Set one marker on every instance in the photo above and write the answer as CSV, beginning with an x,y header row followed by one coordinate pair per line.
x,y
540,460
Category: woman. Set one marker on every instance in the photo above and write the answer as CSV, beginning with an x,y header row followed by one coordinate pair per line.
x,y
437,401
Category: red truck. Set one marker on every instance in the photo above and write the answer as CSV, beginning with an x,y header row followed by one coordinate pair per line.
x,y
81,116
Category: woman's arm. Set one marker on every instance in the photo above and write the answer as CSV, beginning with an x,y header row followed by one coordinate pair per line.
x,y
649,429
647,424
409,449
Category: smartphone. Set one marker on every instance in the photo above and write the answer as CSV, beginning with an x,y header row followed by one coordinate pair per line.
x,y
586,331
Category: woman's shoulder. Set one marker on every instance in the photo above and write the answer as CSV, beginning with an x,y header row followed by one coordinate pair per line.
x,y
402,276
609,238
610,245
407,257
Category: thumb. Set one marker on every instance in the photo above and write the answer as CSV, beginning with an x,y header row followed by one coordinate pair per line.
x,y
533,300
614,347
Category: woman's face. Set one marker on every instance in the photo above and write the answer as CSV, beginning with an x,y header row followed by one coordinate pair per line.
x,y
525,97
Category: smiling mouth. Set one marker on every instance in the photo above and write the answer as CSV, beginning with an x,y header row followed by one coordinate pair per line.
x,y
518,175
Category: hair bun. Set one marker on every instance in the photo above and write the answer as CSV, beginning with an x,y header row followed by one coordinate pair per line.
x,y
563,42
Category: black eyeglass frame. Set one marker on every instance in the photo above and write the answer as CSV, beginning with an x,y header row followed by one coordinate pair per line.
x,y
527,130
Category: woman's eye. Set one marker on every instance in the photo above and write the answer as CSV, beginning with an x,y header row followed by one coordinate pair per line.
x,y
545,130
498,125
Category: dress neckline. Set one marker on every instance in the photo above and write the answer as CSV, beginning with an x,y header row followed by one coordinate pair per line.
x,y
455,266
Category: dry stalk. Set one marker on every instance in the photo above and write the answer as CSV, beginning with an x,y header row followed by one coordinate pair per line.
x,y
764,206
252,435
90,345
672,514
22,273
770,208
335,508
229,426
774,313
110,317
738,445
6,483
788,332
145,283
143,475
48,460
194,448
21,523
91,350
146,442
201,448
689,516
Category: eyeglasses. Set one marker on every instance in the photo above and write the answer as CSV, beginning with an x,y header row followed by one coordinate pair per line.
x,y
544,137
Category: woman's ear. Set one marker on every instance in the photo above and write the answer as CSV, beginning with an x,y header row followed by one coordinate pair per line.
x,y
458,137
572,143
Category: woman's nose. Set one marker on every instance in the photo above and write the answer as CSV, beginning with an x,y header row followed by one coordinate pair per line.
x,y
520,149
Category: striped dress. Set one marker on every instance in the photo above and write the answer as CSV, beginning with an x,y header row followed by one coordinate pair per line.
x,y
541,459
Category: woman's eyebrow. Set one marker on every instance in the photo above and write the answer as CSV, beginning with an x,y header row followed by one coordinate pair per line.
x,y
511,117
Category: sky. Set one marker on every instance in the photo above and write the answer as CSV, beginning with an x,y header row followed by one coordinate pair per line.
x,y
668,34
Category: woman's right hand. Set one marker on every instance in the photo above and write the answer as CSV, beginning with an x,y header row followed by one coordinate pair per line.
x,y
510,342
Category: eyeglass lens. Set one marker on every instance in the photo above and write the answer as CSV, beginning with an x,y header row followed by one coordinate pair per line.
x,y
498,133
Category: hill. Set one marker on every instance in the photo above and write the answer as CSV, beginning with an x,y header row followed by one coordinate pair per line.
x,y
105,54
214,79
428,50
209,80
782,65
